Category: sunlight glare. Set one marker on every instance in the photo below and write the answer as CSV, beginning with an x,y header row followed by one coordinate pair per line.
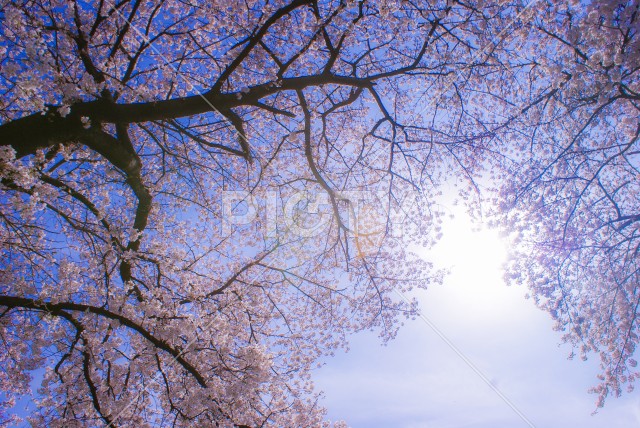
x,y
474,257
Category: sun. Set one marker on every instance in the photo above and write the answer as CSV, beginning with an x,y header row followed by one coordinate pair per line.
x,y
474,256
474,249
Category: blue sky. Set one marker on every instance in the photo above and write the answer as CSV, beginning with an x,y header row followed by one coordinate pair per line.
x,y
418,381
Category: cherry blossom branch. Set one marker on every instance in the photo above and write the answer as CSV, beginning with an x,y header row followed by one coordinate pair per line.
x,y
60,307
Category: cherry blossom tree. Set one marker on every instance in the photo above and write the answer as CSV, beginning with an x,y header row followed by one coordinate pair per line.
x,y
572,174
200,199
